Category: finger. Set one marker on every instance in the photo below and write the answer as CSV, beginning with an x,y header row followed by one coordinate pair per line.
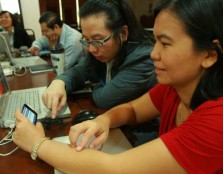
x,y
98,142
18,115
87,137
48,99
62,102
54,107
55,38
36,52
39,125
44,98
74,133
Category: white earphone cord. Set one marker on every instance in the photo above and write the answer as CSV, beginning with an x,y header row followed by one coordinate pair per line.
x,y
8,139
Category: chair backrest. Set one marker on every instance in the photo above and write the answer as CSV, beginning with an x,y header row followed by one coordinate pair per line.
x,y
31,33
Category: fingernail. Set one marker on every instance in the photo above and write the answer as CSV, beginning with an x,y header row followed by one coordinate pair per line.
x,y
78,148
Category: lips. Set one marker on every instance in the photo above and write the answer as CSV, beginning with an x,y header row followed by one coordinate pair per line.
x,y
98,57
158,69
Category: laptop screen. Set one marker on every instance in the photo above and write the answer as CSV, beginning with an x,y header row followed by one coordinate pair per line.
x,y
3,91
4,46
3,83
7,39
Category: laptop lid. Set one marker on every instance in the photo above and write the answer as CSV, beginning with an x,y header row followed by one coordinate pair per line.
x,y
6,36
4,87
4,47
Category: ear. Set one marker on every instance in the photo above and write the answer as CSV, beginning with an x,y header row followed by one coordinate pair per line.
x,y
212,55
124,33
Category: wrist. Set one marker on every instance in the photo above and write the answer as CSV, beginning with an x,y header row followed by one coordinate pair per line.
x,y
58,82
104,119
36,146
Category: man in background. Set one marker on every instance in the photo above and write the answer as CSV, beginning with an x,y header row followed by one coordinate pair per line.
x,y
55,32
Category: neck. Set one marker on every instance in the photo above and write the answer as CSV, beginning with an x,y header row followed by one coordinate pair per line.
x,y
8,29
183,113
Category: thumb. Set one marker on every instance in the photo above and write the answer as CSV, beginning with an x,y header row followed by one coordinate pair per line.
x,y
39,125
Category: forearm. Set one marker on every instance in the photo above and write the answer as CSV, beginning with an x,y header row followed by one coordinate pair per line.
x,y
68,160
40,43
74,78
121,115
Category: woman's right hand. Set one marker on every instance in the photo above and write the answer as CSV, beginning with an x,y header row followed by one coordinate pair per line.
x,y
55,96
96,129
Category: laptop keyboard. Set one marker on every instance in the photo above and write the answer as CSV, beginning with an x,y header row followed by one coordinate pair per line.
x,y
17,100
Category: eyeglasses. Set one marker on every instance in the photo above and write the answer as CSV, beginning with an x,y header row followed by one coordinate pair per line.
x,y
95,43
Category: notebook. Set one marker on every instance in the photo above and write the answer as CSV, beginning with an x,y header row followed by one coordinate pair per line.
x,y
10,101
21,61
116,143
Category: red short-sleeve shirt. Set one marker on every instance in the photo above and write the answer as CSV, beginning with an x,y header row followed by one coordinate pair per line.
x,y
197,144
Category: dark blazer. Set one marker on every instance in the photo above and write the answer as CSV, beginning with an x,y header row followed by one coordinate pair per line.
x,y
21,38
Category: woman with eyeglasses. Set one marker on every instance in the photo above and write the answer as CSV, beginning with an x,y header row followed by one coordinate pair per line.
x,y
116,57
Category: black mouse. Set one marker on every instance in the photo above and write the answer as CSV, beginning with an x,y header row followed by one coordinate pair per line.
x,y
83,116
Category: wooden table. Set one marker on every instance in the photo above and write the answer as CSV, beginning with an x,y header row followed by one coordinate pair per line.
x,y
20,161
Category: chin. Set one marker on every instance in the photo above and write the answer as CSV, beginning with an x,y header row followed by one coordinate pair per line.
x,y
163,81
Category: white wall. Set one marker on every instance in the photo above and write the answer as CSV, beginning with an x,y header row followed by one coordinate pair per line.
x,y
31,13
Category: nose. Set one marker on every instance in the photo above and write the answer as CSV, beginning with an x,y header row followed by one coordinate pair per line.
x,y
155,55
91,48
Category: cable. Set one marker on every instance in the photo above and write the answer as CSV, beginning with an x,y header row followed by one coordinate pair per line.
x,y
8,139
7,154
17,69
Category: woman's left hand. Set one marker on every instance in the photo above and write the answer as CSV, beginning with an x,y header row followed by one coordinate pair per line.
x,y
26,133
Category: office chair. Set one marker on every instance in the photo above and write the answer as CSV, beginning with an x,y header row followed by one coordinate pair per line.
x,y
31,33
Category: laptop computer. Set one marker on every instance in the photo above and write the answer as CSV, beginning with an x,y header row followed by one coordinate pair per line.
x,y
26,62
116,143
10,101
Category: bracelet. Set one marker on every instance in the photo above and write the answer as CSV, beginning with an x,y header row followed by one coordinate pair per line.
x,y
36,147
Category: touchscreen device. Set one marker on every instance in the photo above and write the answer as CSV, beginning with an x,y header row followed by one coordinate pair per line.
x,y
29,113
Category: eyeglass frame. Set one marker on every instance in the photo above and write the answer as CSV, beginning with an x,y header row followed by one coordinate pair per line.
x,y
99,42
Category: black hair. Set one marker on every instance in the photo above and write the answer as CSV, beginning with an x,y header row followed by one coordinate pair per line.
x,y
50,18
202,20
15,21
118,13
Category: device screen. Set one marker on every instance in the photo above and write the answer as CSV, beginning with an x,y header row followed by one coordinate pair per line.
x,y
29,113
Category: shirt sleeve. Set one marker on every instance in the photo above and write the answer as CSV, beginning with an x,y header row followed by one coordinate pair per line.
x,y
157,96
73,48
197,144
41,43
